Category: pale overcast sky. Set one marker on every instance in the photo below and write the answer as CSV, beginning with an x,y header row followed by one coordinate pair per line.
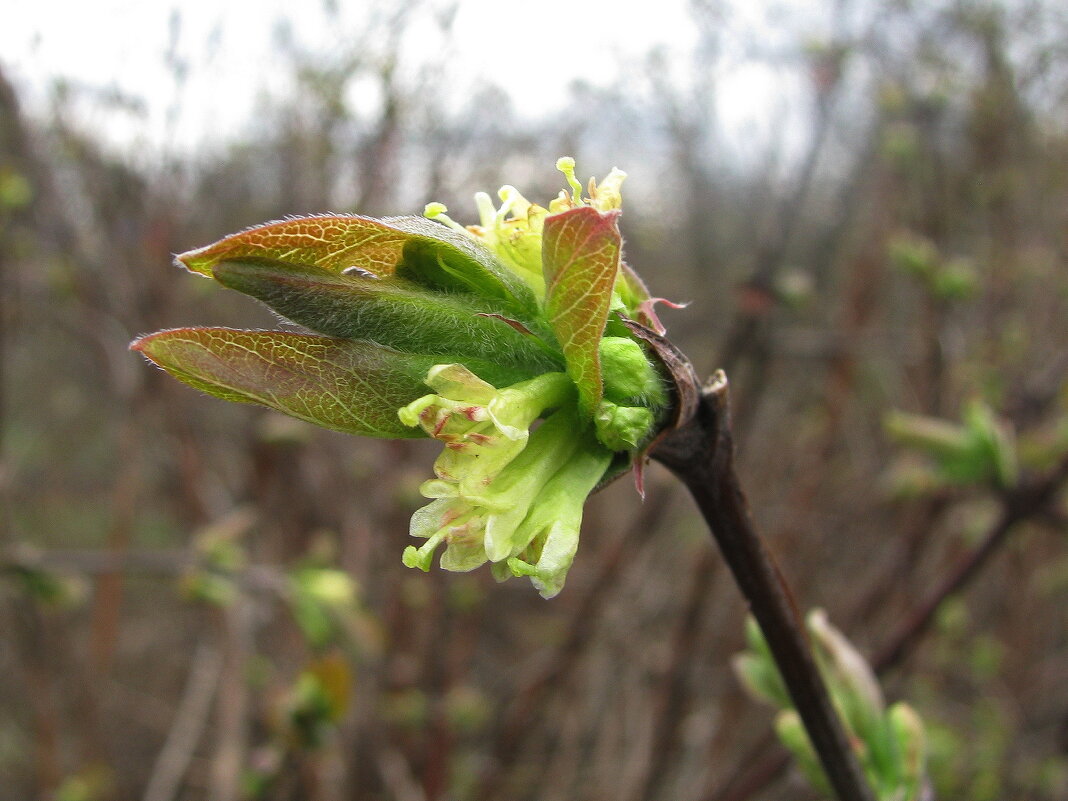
x,y
534,50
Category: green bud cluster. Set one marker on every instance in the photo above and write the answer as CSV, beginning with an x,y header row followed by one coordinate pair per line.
x,y
890,742
946,279
632,389
979,449
503,322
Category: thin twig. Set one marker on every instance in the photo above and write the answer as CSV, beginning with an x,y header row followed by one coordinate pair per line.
x,y
1021,504
757,773
701,455
745,330
168,562
15,145
104,621
232,706
917,534
188,726
397,775
30,636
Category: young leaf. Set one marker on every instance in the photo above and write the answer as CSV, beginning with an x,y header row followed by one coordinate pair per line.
x,y
632,289
425,251
332,242
640,305
444,259
580,257
355,387
389,311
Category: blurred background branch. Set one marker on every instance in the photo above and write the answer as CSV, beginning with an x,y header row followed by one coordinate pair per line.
x,y
864,203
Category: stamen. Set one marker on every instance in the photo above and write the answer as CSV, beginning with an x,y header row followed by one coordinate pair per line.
x,y
566,165
436,211
487,213
422,556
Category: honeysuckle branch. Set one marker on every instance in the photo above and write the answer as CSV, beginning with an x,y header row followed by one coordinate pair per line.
x,y
549,376
700,454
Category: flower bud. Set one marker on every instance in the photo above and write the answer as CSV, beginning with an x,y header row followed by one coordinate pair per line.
x,y
760,678
908,731
792,733
480,523
514,233
628,374
454,522
995,440
607,195
914,255
849,677
483,428
842,661
980,449
622,428
566,165
938,437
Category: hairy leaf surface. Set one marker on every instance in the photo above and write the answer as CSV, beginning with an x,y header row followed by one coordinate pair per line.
x,y
389,311
442,258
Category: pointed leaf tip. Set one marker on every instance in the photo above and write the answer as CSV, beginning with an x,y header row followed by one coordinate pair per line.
x,y
333,242
355,387
424,251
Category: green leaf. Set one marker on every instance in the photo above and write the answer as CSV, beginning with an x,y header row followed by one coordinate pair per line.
x,y
632,289
911,740
992,443
580,256
388,311
355,387
332,242
760,679
444,259
414,247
